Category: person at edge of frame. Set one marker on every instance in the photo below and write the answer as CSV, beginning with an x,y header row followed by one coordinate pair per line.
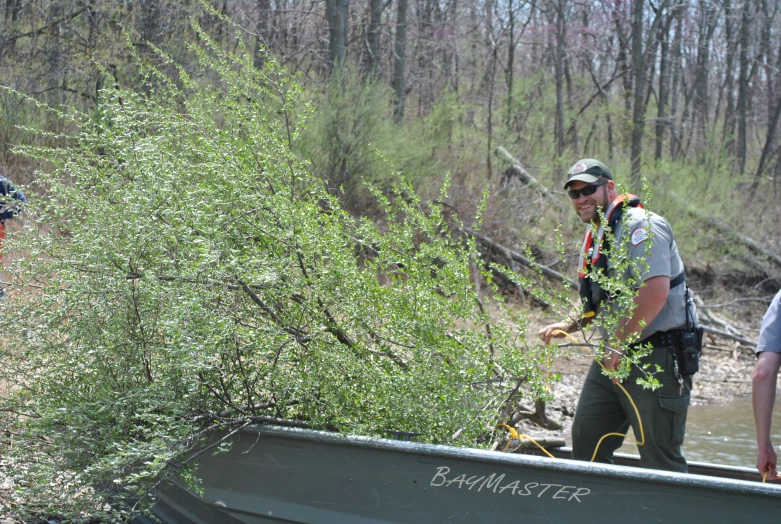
x,y
763,385
8,210
663,302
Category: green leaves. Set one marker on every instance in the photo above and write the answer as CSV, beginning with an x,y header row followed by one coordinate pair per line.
x,y
195,275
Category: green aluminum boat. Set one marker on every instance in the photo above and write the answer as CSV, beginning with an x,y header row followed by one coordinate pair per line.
x,y
279,474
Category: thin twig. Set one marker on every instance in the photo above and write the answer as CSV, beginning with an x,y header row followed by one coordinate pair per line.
x,y
216,443
766,299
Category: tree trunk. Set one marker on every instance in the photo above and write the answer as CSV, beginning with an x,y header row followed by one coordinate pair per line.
x,y
558,62
622,61
149,20
424,53
729,78
399,49
743,86
565,62
675,93
494,59
510,60
12,8
608,118
770,140
263,36
336,12
451,51
375,21
664,81
701,98
638,121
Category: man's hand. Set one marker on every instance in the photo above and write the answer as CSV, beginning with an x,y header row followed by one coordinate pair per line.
x,y
763,396
547,332
611,361
766,461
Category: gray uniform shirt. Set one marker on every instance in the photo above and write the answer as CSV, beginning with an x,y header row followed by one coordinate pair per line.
x,y
770,332
649,242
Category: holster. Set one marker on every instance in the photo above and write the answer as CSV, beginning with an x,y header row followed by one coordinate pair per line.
x,y
689,350
685,345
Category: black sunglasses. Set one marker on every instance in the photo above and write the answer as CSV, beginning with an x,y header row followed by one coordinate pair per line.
x,y
585,191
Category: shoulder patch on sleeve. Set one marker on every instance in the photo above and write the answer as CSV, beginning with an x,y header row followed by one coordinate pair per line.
x,y
639,235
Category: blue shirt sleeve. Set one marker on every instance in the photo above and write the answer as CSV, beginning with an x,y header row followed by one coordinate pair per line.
x,y
770,332
10,199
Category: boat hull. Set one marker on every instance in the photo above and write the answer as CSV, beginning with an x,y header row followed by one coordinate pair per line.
x,y
274,474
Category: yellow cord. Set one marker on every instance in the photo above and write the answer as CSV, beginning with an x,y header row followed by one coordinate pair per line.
x,y
518,436
515,435
637,412
639,423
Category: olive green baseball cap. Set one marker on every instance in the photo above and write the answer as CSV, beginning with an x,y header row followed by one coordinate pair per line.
x,y
587,170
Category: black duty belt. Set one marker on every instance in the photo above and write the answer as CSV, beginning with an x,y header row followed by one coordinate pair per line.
x,y
667,339
672,337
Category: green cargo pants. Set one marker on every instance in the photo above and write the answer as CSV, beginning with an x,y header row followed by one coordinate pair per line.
x,y
604,408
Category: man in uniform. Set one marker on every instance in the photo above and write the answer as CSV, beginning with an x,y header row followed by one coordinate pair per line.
x,y
763,387
10,199
663,313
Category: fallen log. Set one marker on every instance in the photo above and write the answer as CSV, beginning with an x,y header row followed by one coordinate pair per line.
x,y
509,254
753,245
741,349
713,318
517,170
720,333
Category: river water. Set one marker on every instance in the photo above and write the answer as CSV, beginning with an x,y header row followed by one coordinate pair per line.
x,y
722,434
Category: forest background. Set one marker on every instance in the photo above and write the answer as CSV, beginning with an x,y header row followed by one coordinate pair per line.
x,y
496,98
687,94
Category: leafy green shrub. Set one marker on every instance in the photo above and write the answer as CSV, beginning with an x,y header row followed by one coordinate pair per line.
x,y
188,273
352,132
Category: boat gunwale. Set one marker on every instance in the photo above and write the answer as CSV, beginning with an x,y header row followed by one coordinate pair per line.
x,y
564,465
